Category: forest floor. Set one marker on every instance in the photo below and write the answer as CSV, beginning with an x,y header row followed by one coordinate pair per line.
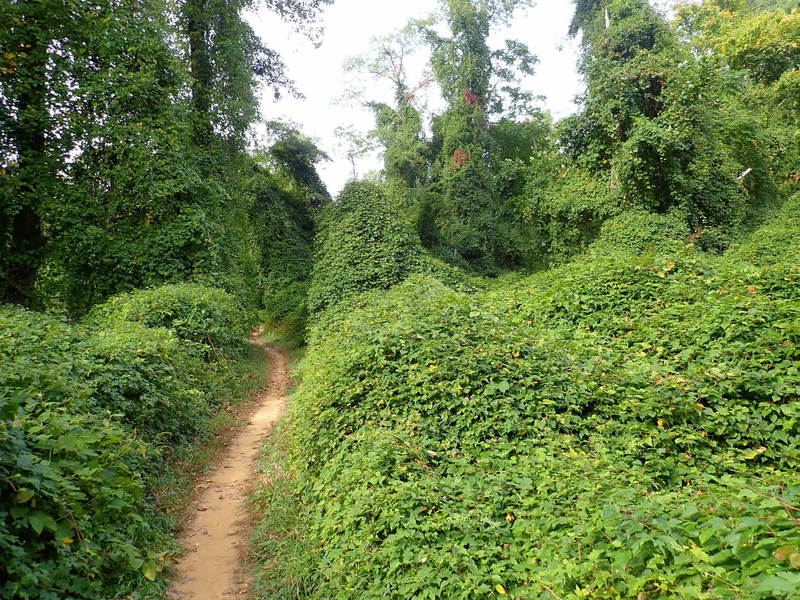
x,y
216,535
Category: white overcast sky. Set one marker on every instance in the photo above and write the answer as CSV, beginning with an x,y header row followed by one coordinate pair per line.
x,y
349,25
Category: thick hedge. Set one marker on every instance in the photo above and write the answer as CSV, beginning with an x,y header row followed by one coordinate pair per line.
x,y
90,417
621,427
195,313
562,209
362,245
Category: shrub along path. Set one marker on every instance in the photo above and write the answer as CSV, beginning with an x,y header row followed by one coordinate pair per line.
x,y
215,537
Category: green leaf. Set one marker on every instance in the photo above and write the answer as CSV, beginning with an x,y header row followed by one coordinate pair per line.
x,y
151,570
38,520
23,496
780,583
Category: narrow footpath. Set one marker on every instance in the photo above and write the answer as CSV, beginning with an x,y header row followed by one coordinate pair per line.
x,y
216,538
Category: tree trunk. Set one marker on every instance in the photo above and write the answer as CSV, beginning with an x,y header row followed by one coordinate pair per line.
x,y
197,31
34,172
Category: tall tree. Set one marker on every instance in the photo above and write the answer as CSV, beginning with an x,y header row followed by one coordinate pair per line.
x,y
651,115
398,125
228,61
29,163
297,156
354,144
477,83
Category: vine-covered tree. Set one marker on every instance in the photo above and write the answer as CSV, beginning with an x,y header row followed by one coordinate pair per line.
x,y
651,115
228,61
28,165
298,155
477,83
758,48
398,126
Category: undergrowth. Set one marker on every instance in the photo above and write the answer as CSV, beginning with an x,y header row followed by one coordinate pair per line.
x,y
104,423
623,426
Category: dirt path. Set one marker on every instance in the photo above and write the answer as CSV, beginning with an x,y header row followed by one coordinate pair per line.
x,y
210,568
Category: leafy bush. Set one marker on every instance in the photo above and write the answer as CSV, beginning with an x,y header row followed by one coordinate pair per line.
x,y
90,419
665,123
623,426
638,231
361,245
447,274
151,379
71,512
287,311
466,220
195,313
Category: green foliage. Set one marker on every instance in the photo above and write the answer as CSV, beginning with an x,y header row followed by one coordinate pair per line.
x,y
92,416
467,219
562,208
520,141
652,118
365,243
123,135
194,313
464,61
71,509
78,98
775,242
298,155
764,44
407,155
123,128
150,380
284,232
398,128
623,426
639,231
361,245
759,46
477,83
227,61
693,119
88,263
448,274
102,188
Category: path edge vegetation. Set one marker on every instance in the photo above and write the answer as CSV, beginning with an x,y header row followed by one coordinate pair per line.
x,y
515,322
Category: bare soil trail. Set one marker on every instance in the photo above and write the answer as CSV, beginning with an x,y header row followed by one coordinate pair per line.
x,y
215,540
